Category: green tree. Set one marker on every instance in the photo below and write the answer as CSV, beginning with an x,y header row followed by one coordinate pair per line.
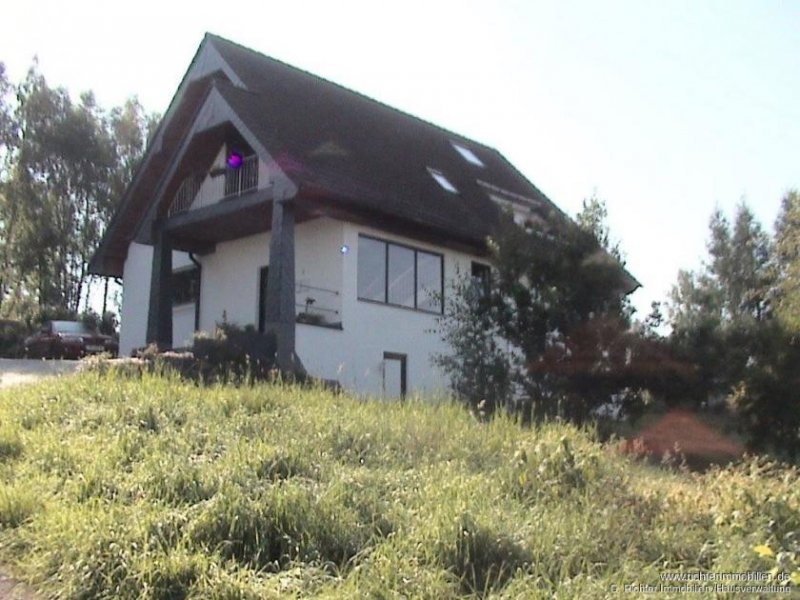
x,y
65,166
7,140
481,371
130,126
548,334
787,259
723,322
715,312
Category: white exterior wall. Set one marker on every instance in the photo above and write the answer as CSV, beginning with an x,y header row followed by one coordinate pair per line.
x,y
136,300
210,191
135,297
229,281
182,325
372,329
352,355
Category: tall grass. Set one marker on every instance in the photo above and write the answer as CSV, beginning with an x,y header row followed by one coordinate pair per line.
x,y
114,487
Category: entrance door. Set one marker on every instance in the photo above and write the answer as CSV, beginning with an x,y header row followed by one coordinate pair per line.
x,y
394,375
263,276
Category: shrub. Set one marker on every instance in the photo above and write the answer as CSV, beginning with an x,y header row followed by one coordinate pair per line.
x,y
765,398
233,353
12,338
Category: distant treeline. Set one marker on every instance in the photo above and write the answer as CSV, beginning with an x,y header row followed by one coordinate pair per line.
x,y
551,334
64,165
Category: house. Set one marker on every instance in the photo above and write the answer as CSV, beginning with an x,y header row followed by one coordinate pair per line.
x,y
274,198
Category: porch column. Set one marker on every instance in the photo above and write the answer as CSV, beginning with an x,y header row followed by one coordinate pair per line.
x,y
280,308
159,315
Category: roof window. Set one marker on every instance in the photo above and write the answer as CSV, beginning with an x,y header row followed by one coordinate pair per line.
x,y
468,154
442,180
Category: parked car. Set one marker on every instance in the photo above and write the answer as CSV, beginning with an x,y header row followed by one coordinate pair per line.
x,y
68,339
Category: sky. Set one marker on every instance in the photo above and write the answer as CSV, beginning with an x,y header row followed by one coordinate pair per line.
x,y
666,110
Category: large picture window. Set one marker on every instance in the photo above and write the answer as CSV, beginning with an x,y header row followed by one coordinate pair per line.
x,y
399,275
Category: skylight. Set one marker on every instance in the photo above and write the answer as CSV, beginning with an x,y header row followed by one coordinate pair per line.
x,y
442,180
468,154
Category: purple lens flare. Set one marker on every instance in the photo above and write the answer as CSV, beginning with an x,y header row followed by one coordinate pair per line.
x,y
235,160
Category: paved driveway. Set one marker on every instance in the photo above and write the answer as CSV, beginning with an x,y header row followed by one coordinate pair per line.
x,y
14,371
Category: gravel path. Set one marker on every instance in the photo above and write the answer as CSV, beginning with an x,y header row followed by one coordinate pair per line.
x,y
11,589
15,371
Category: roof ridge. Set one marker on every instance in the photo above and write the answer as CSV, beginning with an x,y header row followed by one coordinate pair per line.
x,y
400,111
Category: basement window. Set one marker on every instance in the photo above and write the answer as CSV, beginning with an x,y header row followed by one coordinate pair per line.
x,y
442,180
468,155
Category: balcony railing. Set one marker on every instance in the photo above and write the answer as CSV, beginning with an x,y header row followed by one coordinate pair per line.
x,y
185,195
317,305
243,179
202,190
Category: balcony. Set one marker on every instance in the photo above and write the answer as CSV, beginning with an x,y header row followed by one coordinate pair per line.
x,y
221,183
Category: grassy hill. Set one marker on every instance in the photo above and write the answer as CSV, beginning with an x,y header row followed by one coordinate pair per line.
x,y
154,488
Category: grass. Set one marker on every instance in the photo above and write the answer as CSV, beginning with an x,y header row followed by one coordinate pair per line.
x,y
114,487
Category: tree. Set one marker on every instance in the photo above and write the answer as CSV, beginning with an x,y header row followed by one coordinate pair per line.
x,y
130,127
724,322
481,370
765,396
548,335
64,167
787,259
7,139
715,312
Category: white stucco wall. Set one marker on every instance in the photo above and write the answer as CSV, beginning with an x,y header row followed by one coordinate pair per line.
x,y
136,300
135,297
372,329
182,325
352,355
229,282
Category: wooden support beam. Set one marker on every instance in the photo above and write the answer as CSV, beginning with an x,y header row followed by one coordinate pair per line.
x,y
280,302
159,315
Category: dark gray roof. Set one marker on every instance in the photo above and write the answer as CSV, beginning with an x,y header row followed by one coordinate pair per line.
x,y
333,137
361,151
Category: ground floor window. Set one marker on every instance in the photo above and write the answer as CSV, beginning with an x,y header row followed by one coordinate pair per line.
x,y
400,275
185,286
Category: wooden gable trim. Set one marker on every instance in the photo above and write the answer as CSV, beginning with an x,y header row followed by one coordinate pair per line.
x,y
215,111
207,60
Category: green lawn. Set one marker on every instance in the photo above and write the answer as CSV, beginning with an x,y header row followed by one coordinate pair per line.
x,y
154,488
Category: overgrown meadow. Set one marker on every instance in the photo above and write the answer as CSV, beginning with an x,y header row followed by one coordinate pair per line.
x,y
119,487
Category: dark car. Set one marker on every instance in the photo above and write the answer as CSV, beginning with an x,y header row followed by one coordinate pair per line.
x,y
68,339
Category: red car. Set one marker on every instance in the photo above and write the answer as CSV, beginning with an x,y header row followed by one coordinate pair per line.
x,y
68,339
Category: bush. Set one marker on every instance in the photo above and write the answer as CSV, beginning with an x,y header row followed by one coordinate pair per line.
x,y
12,338
765,398
234,353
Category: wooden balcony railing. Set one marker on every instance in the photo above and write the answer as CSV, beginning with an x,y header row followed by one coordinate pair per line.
x,y
200,190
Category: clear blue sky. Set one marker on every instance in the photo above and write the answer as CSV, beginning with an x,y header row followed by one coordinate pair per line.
x,y
664,109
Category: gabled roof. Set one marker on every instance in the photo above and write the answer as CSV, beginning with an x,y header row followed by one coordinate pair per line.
x,y
325,137
382,154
